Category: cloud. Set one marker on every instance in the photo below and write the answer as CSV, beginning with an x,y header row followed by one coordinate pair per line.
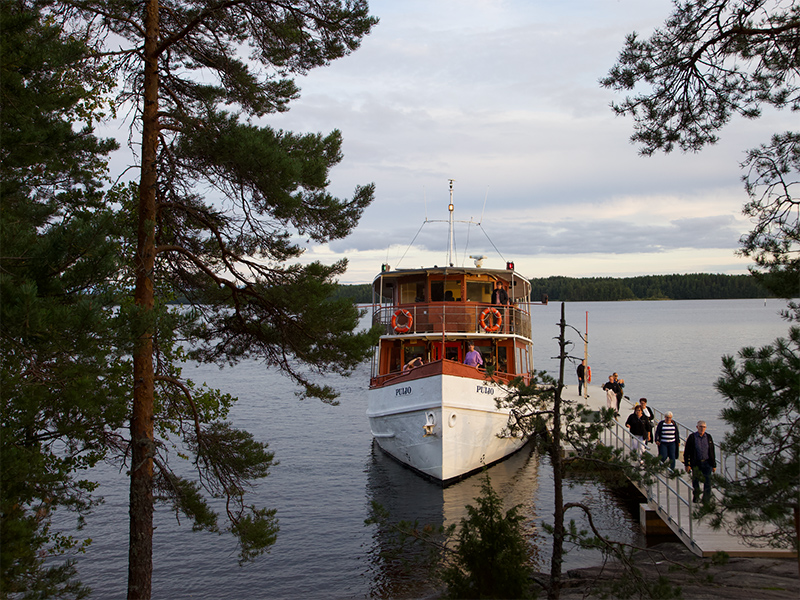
x,y
563,237
503,97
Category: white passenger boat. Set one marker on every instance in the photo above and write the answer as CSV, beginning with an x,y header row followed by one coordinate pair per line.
x,y
441,417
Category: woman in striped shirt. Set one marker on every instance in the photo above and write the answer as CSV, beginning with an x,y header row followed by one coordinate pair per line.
x,y
668,440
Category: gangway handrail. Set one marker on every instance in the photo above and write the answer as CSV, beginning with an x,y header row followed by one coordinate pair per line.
x,y
617,436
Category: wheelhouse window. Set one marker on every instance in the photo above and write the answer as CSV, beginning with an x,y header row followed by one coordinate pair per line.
x,y
412,291
446,291
479,291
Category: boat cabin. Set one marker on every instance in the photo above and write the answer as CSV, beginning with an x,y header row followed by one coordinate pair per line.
x,y
434,314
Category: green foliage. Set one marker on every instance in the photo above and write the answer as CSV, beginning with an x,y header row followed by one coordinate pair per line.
x,y
773,172
491,558
485,556
360,293
711,60
636,587
63,378
762,393
694,286
720,558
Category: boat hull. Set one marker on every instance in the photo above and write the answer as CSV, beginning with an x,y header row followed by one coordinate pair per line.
x,y
445,426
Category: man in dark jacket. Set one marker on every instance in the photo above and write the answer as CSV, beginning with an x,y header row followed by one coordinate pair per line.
x,y
700,460
499,294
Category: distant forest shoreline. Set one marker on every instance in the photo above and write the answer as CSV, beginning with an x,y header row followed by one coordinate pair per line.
x,y
694,286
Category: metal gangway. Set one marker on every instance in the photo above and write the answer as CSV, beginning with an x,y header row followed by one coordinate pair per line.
x,y
671,498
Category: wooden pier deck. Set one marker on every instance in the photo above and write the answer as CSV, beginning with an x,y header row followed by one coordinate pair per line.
x,y
671,499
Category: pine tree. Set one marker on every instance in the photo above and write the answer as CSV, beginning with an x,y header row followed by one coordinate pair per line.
x,y
762,391
222,207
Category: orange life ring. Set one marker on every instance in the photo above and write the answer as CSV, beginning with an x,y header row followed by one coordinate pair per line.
x,y
498,319
588,374
409,321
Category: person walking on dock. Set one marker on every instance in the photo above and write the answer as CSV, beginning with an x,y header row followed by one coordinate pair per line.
x,y
613,392
651,417
620,383
700,460
638,425
581,376
668,440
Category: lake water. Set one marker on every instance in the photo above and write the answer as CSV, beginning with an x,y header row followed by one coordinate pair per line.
x,y
329,471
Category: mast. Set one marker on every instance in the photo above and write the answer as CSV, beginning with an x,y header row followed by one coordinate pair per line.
x,y
451,208
586,359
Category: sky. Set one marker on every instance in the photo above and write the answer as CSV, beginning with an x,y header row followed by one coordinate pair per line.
x,y
502,96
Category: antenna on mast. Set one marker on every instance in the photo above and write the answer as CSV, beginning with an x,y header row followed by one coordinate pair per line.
x,y
451,208
484,204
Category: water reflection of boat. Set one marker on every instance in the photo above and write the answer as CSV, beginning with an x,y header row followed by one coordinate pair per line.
x,y
427,408
405,572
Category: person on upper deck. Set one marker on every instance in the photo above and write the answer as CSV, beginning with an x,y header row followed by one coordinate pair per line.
x,y
473,357
499,294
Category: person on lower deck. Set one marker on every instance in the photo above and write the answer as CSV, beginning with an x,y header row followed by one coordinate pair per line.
x,y
414,362
473,357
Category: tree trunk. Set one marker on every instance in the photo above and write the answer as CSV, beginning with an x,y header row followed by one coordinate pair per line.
x,y
797,532
554,591
140,552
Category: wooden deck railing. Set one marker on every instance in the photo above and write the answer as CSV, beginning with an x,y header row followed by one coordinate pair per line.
x,y
454,317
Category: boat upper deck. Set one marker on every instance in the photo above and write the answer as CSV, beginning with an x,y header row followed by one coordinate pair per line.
x,y
459,300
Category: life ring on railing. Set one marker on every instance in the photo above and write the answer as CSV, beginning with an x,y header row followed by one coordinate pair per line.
x,y
498,319
409,321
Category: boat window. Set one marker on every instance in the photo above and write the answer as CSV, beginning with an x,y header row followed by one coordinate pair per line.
x,y
385,292
486,352
412,352
437,291
479,291
522,360
413,291
452,351
442,291
502,359
396,359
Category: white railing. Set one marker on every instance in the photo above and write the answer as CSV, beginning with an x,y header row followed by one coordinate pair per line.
x,y
667,493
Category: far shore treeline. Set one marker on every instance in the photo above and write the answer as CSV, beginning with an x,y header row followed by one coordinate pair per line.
x,y
694,286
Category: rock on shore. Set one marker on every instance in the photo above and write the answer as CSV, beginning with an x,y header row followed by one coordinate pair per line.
x,y
707,578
